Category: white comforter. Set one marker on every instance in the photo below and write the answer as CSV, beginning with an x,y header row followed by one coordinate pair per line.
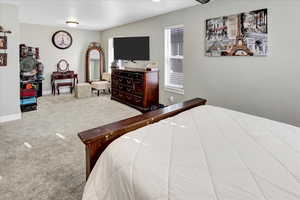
x,y
207,153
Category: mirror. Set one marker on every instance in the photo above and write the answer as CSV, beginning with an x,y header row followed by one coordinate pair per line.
x,y
63,66
94,62
94,65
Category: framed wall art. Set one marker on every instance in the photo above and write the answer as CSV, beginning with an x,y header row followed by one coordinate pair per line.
x,y
244,34
3,42
3,59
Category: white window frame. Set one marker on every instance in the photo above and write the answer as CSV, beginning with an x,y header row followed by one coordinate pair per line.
x,y
169,87
110,53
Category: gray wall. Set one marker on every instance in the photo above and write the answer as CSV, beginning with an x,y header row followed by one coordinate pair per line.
x,y
9,76
264,86
41,36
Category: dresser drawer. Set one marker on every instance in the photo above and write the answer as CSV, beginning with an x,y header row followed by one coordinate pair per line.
x,y
122,95
114,77
115,93
137,100
139,88
128,97
126,88
115,73
138,76
122,87
114,82
125,74
121,80
129,81
129,89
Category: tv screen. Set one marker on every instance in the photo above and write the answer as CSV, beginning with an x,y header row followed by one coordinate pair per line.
x,y
131,48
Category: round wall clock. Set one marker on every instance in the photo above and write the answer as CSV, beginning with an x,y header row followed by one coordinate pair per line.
x,y
62,39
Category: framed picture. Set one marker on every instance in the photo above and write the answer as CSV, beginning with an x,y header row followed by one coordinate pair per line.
x,y
243,34
3,42
3,59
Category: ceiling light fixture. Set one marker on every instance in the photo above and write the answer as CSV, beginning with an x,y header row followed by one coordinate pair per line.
x,y
156,0
203,1
72,23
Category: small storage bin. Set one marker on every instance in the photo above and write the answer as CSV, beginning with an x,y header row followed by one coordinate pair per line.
x,y
28,108
27,93
27,101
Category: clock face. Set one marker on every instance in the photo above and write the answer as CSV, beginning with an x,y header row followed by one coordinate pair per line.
x,y
62,39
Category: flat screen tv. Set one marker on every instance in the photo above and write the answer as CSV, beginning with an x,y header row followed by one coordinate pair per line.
x,y
131,48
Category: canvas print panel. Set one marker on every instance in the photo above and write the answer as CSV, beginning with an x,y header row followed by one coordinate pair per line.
x,y
244,34
3,59
3,42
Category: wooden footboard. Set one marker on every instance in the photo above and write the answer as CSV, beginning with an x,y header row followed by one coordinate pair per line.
x,y
97,139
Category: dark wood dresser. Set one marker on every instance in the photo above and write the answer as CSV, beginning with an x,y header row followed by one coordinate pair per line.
x,y
138,88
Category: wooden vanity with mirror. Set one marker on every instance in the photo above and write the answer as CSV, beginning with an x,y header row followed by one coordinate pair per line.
x,y
63,73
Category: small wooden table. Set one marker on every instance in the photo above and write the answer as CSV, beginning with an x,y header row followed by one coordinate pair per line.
x,y
63,76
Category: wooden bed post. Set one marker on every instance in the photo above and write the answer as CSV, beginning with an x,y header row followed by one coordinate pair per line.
x,y
97,139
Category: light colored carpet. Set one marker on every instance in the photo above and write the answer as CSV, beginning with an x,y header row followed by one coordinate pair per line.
x,y
53,168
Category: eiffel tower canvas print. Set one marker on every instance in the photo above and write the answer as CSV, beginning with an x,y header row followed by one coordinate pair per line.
x,y
244,34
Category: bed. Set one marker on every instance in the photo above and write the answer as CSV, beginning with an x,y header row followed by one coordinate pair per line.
x,y
193,151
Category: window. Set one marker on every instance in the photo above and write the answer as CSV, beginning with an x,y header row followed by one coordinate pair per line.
x,y
174,76
110,53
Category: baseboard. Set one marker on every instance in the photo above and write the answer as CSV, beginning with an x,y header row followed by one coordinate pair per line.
x,y
62,91
47,92
12,117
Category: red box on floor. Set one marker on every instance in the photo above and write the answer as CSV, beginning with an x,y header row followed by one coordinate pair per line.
x,y
27,93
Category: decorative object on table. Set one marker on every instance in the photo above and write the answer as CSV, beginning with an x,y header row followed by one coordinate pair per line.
x,y
63,66
83,90
31,77
114,64
62,39
3,42
3,59
152,65
94,62
63,73
244,34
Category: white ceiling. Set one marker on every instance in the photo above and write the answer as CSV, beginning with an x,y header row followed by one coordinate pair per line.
x,y
93,14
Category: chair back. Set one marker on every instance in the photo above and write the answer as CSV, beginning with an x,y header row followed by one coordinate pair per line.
x,y
106,76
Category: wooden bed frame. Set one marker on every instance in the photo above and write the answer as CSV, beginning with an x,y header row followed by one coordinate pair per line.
x,y
97,139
